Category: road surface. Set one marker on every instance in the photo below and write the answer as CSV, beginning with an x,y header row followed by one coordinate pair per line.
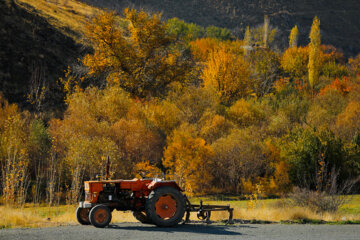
x,y
190,231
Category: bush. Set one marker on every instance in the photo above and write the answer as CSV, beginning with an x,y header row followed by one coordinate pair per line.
x,y
317,200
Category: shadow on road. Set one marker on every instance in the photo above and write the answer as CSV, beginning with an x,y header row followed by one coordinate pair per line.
x,y
192,228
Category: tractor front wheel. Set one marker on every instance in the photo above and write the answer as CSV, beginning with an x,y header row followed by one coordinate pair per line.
x,y
165,206
100,216
82,215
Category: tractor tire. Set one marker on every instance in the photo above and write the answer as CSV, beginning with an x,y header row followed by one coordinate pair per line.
x,y
141,217
82,215
100,216
165,206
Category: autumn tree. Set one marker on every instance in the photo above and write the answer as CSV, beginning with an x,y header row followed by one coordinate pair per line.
x,y
294,36
314,52
247,41
238,156
142,58
229,74
14,157
295,60
264,66
354,65
266,30
190,159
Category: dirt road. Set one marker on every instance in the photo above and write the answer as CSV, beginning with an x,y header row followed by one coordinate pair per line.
x,y
190,231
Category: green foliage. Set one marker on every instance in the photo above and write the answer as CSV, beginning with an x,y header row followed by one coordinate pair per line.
x,y
191,31
183,30
219,33
311,153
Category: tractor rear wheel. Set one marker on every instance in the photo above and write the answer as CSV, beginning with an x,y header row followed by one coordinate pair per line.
x,y
100,216
141,217
82,215
165,206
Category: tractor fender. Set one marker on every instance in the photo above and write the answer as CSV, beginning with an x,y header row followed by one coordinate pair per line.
x,y
156,184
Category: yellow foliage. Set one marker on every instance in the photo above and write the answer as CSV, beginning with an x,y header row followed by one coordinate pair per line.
x,y
228,73
314,52
244,113
189,158
295,61
141,58
293,38
348,122
146,170
354,65
213,127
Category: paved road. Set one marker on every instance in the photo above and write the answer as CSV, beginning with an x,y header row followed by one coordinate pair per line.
x,y
190,231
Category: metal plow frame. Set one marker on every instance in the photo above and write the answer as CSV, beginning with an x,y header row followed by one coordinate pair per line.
x,y
204,211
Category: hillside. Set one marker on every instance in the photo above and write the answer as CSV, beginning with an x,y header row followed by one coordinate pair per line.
x,y
340,23
39,39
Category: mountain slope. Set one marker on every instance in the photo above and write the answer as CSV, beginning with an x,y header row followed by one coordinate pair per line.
x,y
340,24
35,49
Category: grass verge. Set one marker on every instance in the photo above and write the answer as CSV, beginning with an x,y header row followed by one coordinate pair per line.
x,y
264,211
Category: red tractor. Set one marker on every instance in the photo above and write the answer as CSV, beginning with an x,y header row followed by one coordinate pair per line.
x,y
153,201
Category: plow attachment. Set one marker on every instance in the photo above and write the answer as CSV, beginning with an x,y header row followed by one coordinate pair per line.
x,y
204,211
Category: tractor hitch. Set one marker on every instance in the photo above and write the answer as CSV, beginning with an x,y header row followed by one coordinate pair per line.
x,y
204,211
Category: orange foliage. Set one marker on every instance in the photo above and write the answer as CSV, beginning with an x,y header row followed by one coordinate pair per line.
x,y
201,48
281,84
340,85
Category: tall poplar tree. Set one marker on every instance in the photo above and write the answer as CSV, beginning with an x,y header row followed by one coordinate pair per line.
x,y
314,52
294,36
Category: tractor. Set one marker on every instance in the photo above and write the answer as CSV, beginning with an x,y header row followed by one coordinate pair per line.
x,y
152,201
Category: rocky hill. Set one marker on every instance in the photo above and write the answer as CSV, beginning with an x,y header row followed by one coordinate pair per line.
x,y
340,24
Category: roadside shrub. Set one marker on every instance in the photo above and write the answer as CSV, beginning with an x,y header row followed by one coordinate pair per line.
x,y
318,201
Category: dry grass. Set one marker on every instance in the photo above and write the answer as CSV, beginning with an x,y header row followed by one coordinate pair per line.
x,y
63,14
279,210
266,210
41,216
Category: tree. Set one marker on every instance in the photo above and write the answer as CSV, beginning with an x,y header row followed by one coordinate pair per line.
x,y
266,30
295,61
247,41
183,30
354,65
315,157
265,66
314,52
294,36
219,33
238,156
142,58
190,159
229,74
